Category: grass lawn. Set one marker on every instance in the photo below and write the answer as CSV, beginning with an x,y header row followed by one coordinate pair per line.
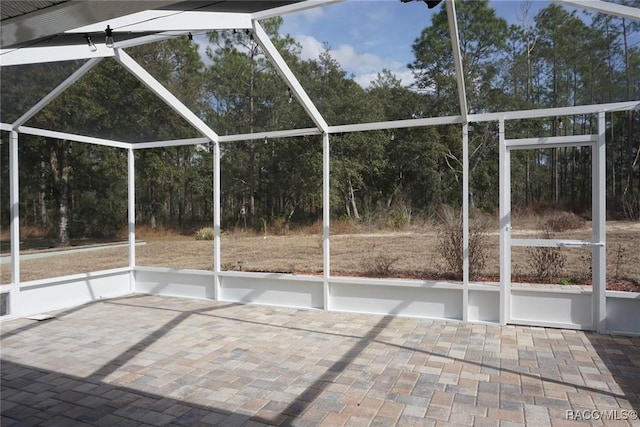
x,y
405,254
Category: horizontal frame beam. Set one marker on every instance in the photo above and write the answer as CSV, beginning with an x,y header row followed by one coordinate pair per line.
x,y
142,40
172,143
163,20
551,142
40,55
270,135
551,112
72,137
291,8
554,243
399,124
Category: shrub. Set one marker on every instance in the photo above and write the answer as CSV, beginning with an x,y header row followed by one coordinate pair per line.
x,y
450,242
547,263
205,233
631,207
342,226
399,221
380,265
280,226
563,221
619,258
228,266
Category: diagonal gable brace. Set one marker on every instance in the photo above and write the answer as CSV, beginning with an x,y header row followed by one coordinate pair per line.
x,y
285,72
607,7
457,59
150,82
56,92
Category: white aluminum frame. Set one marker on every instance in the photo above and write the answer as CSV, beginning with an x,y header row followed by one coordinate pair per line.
x,y
287,75
167,20
40,55
598,241
609,8
86,67
131,214
505,225
14,200
465,300
326,220
457,58
599,226
170,99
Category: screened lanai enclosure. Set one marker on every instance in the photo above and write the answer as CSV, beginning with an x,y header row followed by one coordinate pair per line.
x,y
329,150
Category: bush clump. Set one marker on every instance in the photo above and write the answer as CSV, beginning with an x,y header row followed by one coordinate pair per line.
x,y
205,233
380,265
547,263
563,221
450,242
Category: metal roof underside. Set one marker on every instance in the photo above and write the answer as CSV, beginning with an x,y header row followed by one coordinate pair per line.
x,y
11,8
44,23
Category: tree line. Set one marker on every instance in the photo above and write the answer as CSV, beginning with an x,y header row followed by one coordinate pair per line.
x,y
551,59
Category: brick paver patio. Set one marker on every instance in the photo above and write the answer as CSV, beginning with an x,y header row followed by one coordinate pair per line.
x,y
147,360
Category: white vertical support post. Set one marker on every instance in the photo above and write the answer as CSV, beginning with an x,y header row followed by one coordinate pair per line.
x,y
216,220
465,222
14,197
505,227
131,212
599,251
326,207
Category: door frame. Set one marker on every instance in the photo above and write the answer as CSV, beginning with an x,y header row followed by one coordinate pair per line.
x,y
598,235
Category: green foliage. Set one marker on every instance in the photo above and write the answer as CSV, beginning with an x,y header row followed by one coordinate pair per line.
x,y
539,62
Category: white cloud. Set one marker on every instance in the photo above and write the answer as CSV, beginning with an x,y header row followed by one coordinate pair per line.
x,y
363,65
313,14
405,76
202,41
302,21
311,47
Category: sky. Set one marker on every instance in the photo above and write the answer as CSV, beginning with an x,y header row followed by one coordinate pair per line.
x,y
366,36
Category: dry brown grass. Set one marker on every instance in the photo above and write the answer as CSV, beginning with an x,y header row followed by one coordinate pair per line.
x,y
415,250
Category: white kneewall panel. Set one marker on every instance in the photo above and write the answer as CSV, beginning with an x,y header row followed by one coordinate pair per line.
x,y
623,312
414,301
41,296
484,305
561,309
175,283
276,289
